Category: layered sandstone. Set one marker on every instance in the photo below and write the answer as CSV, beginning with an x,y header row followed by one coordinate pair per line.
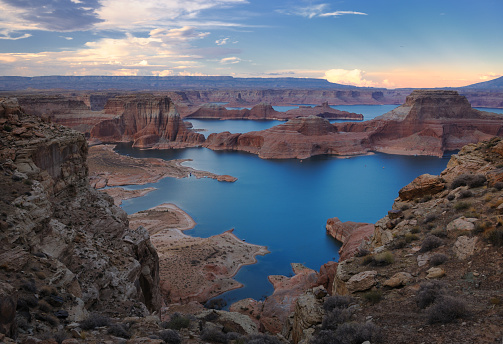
x,y
147,121
265,111
60,235
298,138
352,235
428,123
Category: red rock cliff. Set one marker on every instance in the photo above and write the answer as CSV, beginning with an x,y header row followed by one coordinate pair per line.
x,y
147,121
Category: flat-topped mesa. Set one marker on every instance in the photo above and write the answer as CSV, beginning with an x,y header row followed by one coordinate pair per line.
x,y
148,121
430,122
265,111
422,105
214,111
299,138
324,110
309,126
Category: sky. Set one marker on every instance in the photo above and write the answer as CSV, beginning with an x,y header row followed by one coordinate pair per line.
x,y
376,43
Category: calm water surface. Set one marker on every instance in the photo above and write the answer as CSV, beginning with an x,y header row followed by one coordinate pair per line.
x,y
281,204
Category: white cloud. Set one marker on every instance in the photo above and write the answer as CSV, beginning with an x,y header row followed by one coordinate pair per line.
x,y
230,60
489,76
317,11
222,41
340,13
144,14
348,77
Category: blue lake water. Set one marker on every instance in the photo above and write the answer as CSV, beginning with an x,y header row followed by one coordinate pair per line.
x,y
281,204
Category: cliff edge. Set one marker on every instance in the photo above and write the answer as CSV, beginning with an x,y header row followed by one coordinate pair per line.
x,y
65,250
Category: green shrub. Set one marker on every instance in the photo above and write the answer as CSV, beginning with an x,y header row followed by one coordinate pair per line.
x,y
383,258
438,259
462,206
349,333
336,301
446,309
470,180
409,237
439,232
261,338
213,335
465,194
373,296
94,320
428,293
335,318
170,337
495,237
430,242
177,322
119,330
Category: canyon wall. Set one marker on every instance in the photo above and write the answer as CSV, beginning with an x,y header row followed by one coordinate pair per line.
x,y
147,121
428,123
61,241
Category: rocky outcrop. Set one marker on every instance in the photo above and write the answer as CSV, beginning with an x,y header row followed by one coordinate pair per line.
x,y
429,123
298,138
265,111
147,121
62,242
353,235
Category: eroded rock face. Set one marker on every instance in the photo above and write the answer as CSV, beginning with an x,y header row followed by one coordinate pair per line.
x,y
72,235
428,123
353,235
424,185
147,121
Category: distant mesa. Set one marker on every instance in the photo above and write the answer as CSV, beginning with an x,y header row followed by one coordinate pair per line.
x,y
264,111
430,122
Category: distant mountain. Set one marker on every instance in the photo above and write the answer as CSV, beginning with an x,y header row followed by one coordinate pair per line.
x,y
154,83
492,85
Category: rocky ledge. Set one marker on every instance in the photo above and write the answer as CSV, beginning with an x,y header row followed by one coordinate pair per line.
x,y
65,249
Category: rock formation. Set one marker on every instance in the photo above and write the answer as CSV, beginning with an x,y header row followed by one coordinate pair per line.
x,y
147,121
265,111
298,138
429,123
63,244
353,235
434,260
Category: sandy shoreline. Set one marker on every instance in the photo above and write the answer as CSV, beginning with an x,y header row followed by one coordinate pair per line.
x,y
191,268
108,168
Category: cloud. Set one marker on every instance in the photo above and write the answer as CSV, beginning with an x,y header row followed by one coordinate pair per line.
x,y
230,60
145,14
162,50
55,15
348,77
317,11
489,76
340,13
6,34
222,41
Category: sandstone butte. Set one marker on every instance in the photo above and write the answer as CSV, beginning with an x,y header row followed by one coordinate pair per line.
x,y
147,121
264,111
428,123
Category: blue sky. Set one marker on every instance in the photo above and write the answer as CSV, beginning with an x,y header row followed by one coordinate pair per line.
x,y
381,43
